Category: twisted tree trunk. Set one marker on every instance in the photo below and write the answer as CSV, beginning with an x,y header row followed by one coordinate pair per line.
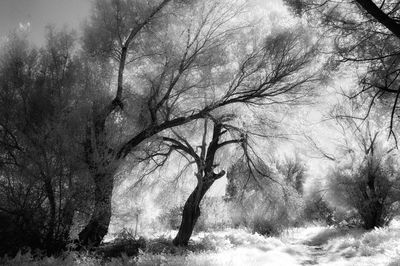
x,y
191,213
205,179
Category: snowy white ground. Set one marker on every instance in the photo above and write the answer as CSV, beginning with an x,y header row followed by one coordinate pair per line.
x,y
313,245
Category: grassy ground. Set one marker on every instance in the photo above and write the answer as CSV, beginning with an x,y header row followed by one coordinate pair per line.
x,y
312,245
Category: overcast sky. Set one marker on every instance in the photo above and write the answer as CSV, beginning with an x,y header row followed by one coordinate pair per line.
x,y
36,14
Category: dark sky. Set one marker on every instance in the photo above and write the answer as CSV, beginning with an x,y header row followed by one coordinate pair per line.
x,y
39,13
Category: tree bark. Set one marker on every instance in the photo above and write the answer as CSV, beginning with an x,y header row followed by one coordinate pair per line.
x,y
67,219
97,228
99,158
371,8
191,212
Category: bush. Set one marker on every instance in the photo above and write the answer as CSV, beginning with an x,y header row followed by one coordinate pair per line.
x,y
266,214
367,187
214,215
172,218
266,226
317,209
269,201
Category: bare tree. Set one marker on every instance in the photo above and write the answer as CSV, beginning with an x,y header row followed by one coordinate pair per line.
x,y
204,157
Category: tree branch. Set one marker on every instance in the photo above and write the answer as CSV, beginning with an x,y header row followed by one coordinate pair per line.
x,y
371,8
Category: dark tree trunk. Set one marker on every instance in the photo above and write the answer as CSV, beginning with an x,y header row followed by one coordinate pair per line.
x,y
67,219
99,158
191,212
49,240
205,176
97,227
373,218
390,23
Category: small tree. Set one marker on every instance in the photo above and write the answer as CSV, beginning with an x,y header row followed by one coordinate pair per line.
x,y
206,174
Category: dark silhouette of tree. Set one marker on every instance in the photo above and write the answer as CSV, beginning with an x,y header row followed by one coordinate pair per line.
x,y
41,178
204,157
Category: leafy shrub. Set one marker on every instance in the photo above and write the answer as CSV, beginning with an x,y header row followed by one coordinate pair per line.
x,y
317,209
125,234
128,247
268,201
214,215
172,218
126,243
266,226
367,186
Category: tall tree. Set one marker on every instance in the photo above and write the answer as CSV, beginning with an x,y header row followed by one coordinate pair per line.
x,y
229,128
199,50
112,33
